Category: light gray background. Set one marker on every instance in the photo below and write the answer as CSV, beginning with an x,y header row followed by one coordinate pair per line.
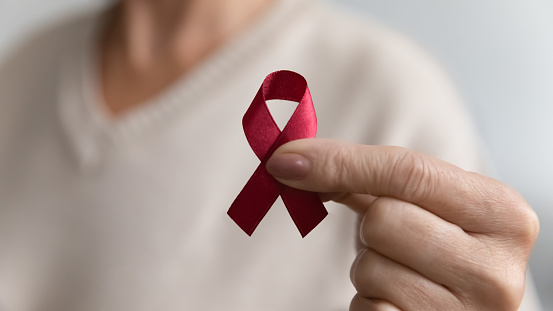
x,y
500,53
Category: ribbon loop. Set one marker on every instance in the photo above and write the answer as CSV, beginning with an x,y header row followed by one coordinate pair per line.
x,y
264,137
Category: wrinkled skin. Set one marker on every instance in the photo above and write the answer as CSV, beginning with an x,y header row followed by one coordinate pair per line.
x,y
434,237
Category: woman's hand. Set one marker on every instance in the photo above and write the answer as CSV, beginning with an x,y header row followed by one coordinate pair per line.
x,y
435,237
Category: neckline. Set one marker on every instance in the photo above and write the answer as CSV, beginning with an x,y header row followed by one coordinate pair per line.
x,y
89,125
190,86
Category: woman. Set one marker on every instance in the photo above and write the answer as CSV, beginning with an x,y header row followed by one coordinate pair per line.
x,y
121,150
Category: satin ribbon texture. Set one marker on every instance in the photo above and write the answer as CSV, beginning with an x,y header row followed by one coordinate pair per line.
x,y
264,137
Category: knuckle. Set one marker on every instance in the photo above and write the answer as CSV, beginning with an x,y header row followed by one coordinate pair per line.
x,y
359,303
365,272
504,288
340,165
350,169
532,227
346,166
510,215
375,220
415,175
328,163
526,227
523,222
529,225
497,284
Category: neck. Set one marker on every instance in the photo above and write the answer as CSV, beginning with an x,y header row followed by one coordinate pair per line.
x,y
150,43
182,30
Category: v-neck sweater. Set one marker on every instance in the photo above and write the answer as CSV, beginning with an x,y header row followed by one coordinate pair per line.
x,y
104,214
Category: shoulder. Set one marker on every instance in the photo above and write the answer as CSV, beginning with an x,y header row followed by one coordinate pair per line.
x,y
363,56
389,86
43,49
367,44
30,73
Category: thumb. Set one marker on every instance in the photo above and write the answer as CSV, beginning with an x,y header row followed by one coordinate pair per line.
x,y
455,195
324,165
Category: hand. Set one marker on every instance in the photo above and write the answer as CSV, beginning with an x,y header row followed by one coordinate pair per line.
x,y
435,237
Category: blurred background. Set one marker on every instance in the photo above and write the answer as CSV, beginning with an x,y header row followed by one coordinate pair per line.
x,y
500,54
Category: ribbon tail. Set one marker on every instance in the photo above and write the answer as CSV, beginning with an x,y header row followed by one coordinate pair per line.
x,y
255,200
305,208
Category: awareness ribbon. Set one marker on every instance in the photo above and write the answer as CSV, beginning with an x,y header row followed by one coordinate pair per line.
x,y
264,137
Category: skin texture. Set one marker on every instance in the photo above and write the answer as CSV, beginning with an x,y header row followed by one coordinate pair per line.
x,y
434,237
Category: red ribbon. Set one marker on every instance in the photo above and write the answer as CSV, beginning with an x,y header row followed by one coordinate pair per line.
x,y
264,137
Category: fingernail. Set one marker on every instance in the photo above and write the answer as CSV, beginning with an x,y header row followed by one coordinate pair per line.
x,y
290,166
